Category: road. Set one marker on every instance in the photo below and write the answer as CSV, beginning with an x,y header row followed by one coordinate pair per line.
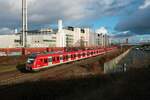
x,y
136,59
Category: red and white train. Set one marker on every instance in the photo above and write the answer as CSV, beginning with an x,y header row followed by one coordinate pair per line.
x,y
36,62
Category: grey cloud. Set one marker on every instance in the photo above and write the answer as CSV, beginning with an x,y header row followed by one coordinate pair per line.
x,y
124,34
48,11
138,22
6,30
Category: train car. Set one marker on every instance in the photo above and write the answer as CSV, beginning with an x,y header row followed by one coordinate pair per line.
x,y
37,62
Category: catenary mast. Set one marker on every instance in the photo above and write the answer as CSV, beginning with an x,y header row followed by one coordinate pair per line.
x,y
24,24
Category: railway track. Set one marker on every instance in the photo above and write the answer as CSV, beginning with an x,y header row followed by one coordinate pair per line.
x,y
53,73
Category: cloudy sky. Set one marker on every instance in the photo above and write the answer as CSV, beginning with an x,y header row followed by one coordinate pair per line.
x,y
124,18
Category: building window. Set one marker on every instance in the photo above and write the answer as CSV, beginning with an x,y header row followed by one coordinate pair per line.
x,y
71,28
49,40
17,41
53,37
82,31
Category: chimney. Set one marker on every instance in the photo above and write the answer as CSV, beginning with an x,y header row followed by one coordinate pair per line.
x,y
60,27
24,23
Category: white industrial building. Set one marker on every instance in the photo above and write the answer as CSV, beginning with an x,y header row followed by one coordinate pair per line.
x,y
102,37
62,37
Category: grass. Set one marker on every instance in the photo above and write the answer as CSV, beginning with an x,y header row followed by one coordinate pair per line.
x,y
8,64
7,69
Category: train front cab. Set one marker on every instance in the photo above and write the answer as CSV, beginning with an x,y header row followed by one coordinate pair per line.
x,y
30,64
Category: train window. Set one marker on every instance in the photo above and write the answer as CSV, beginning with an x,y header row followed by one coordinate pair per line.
x,y
41,60
83,54
50,59
64,57
74,55
71,56
45,60
79,55
87,54
57,58
53,59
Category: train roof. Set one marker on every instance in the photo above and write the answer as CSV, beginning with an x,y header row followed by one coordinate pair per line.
x,y
34,55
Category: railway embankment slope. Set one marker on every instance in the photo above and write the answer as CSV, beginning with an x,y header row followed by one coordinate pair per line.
x,y
131,85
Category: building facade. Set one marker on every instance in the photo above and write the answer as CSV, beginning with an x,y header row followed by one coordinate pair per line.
x,y
62,37
102,37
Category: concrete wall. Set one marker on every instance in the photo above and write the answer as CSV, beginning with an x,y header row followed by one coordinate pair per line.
x,y
111,66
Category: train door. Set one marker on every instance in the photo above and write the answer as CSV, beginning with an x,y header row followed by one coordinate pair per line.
x,y
75,56
50,61
97,52
69,57
88,54
61,59
64,58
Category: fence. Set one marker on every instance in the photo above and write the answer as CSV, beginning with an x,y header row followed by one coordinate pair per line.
x,y
25,51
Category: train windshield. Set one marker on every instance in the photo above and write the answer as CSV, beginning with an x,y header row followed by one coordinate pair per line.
x,y
31,59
